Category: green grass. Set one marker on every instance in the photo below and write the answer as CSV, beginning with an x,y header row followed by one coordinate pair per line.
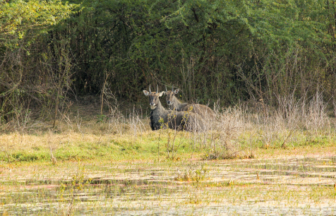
x,y
148,145
115,147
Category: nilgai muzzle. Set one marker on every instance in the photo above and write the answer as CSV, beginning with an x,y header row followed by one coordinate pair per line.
x,y
162,118
175,104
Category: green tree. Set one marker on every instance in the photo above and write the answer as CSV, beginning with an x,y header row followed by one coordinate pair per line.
x,y
24,54
18,16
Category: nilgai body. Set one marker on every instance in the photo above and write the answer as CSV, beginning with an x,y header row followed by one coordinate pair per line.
x,y
174,104
177,120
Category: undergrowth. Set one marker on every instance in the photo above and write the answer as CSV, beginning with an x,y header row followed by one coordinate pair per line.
x,y
237,132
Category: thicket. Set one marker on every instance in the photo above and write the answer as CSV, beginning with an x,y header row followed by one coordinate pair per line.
x,y
261,50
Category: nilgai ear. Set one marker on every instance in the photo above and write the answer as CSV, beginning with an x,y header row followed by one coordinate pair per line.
x,y
161,93
146,92
176,91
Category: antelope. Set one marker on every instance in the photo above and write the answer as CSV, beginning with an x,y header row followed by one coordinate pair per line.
x,y
174,104
161,118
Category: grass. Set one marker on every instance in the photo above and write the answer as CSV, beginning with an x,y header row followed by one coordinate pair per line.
x,y
71,145
237,133
120,166
104,145
16,147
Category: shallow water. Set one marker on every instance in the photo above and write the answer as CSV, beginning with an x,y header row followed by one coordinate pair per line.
x,y
303,186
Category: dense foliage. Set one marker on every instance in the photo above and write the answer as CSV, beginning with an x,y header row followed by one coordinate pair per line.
x,y
216,49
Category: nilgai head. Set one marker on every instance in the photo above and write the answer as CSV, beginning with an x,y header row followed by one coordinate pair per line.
x,y
154,100
170,95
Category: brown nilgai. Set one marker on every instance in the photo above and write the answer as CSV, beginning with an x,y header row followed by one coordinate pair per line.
x,y
162,118
175,104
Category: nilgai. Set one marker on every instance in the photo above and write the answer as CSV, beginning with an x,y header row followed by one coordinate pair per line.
x,y
161,118
175,104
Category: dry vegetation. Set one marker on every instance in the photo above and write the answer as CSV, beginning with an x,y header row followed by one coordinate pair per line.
x,y
113,163
238,132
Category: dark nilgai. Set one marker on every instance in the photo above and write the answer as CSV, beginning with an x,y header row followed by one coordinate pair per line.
x,y
162,118
175,104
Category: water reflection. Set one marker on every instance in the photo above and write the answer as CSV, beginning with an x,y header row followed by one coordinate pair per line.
x,y
244,187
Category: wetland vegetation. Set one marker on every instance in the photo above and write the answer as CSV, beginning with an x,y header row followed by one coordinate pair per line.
x,y
246,164
75,137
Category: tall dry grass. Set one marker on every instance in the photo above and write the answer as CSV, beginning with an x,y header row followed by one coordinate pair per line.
x,y
236,132
292,122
